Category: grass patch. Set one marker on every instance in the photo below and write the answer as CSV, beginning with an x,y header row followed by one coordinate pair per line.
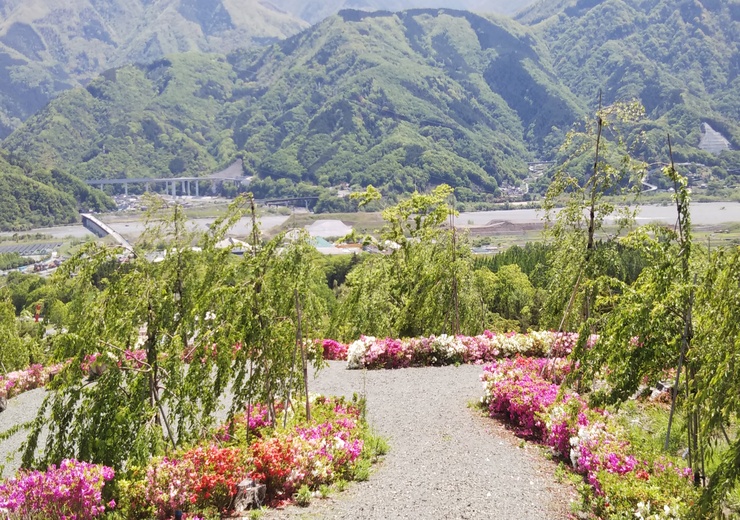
x,y
362,470
304,496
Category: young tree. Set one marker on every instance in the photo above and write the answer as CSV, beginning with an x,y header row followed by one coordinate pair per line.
x,y
576,261
423,284
130,323
13,355
168,335
274,305
717,378
648,327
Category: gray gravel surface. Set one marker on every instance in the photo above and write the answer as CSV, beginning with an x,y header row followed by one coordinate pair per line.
x,y
445,459
21,409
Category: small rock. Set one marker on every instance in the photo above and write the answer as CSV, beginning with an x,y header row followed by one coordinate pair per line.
x,y
3,404
250,493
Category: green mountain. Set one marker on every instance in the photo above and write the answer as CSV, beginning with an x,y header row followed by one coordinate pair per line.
x,y
401,101
47,47
30,198
405,100
314,11
137,121
681,58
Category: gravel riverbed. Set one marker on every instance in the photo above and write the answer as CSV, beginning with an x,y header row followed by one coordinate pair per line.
x,y
445,461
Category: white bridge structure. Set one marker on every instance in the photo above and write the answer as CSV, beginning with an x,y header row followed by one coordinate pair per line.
x,y
100,229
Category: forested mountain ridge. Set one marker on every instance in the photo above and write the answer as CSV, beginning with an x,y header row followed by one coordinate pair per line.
x,y
405,100
47,47
314,11
30,198
135,121
401,101
681,59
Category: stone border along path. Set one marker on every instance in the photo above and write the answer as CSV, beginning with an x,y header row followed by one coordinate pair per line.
x,y
445,459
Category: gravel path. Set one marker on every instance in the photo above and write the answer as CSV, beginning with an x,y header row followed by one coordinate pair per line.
x,y
21,409
445,459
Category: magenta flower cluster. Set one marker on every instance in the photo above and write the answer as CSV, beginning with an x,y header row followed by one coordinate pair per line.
x,y
72,491
517,389
328,448
35,376
333,350
256,418
526,392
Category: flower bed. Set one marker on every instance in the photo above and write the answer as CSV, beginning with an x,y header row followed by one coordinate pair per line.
x,y
72,491
203,479
621,479
333,350
35,376
370,352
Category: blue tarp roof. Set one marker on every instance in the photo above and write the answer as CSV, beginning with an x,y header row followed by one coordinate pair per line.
x,y
321,242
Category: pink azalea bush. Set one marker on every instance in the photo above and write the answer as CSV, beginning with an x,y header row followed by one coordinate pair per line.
x,y
72,491
311,456
527,393
516,389
333,350
370,352
257,418
204,478
20,381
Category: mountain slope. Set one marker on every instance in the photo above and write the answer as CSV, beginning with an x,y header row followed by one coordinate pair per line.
x,y
680,58
404,100
31,198
136,121
408,99
47,47
401,101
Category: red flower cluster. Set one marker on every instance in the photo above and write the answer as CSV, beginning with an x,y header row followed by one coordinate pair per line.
x,y
219,472
207,475
200,477
274,460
